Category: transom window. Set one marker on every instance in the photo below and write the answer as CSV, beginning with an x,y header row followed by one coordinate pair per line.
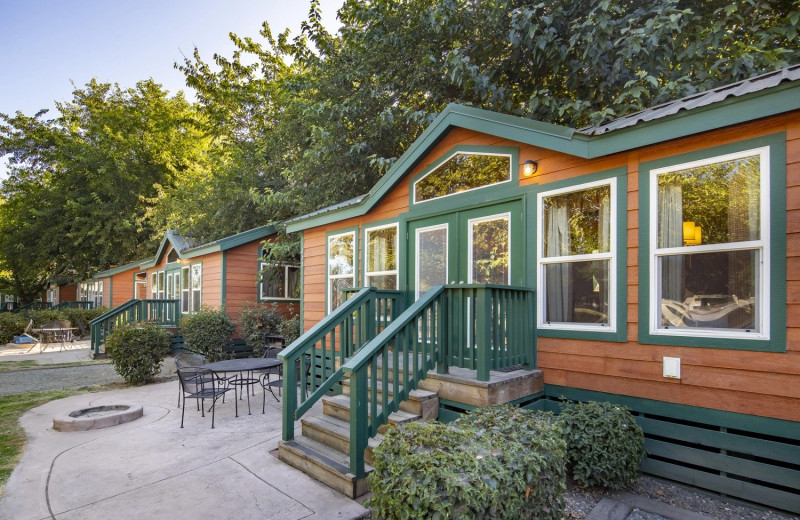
x,y
463,171
279,282
577,257
381,257
341,267
709,246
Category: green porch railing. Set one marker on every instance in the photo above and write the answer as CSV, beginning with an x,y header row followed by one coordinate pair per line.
x,y
157,312
480,327
33,306
312,359
78,304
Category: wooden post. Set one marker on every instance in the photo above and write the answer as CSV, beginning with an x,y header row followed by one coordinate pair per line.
x,y
483,330
358,422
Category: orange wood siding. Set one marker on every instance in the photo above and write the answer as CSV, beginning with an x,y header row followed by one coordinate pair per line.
x,y
67,293
212,279
759,383
122,287
241,277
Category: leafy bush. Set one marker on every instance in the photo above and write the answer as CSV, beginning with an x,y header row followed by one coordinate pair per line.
x,y
11,325
257,323
80,317
605,446
137,351
501,463
208,332
41,317
290,329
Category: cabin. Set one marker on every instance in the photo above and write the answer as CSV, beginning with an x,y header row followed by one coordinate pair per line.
x,y
185,275
652,261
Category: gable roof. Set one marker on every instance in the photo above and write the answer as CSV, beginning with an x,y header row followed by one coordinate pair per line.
x,y
762,96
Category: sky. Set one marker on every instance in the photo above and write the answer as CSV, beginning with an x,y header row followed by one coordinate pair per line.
x,y
47,45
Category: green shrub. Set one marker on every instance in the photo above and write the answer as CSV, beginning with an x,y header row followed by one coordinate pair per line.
x,y
208,332
605,446
137,351
258,322
290,329
501,463
80,317
11,325
41,317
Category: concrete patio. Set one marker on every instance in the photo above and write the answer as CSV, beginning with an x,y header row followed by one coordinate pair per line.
x,y
151,468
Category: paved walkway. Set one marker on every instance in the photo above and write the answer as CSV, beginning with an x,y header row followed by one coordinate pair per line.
x,y
151,468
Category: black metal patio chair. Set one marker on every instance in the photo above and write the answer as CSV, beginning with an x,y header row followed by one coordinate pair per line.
x,y
200,384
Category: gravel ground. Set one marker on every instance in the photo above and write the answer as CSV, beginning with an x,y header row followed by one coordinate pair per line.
x,y
580,502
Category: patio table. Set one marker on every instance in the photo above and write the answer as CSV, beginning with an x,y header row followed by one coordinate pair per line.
x,y
245,368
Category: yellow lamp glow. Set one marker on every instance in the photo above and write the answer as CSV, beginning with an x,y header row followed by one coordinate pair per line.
x,y
692,234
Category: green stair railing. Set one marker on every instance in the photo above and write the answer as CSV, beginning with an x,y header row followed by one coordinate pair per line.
x,y
311,364
479,327
157,312
33,306
81,304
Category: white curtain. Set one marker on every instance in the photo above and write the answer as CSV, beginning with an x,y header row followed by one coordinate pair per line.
x,y
559,295
670,233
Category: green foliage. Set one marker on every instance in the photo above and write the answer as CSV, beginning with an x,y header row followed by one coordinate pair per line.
x,y
11,325
605,446
497,463
137,351
41,317
82,317
290,329
258,322
208,332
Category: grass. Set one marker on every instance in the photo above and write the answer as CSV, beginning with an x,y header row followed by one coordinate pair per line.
x,y
12,436
7,366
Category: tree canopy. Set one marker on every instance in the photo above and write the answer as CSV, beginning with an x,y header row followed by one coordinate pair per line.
x,y
288,124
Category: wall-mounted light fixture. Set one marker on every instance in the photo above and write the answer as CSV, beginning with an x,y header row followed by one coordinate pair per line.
x,y
529,167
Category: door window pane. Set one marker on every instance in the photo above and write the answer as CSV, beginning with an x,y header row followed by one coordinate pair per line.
x,y
490,251
431,258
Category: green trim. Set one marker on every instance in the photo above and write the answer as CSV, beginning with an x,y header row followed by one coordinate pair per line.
x,y
731,111
222,244
224,280
709,416
279,300
351,229
303,281
110,291
777,249
483,191
621,292
119,269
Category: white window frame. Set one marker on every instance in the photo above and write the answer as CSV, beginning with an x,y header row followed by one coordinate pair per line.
x,y
186,289
263,297
462,152
396,271
51,295
92,291
470,242
760,246
196,271
328,276
611,257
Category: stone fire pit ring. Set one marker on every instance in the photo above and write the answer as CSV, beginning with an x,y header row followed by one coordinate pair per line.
x,y
96,417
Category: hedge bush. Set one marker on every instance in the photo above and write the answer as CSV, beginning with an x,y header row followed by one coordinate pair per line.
x,y
290,329
501,463
137,351
80,317
208,332
11,325
258,322
605,446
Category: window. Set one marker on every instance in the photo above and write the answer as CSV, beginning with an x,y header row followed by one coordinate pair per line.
x,y
172,257
577,259
51,295
341,267
154,286
463,171
197,286
709,243
93,292
279,282
185,290
381,257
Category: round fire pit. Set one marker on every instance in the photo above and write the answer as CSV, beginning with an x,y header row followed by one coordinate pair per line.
x,y
97,417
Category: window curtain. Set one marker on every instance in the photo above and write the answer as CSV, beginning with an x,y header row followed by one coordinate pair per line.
x,y
559,296
670,233
604,245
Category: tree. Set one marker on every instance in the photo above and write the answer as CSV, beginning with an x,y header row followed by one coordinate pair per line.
x,y
81,185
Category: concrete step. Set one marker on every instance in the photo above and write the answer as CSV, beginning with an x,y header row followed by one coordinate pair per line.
x,y
338,406
323,463
419,402
335,433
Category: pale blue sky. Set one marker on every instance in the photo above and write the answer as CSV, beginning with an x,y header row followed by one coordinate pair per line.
x,y
45,44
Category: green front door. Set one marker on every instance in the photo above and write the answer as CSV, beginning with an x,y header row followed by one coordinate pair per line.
x,y
483,245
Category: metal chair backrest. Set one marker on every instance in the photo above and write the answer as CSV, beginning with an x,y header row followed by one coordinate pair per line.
x,y
195,379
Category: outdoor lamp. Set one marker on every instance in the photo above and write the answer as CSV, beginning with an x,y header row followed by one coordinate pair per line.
x,y
529,168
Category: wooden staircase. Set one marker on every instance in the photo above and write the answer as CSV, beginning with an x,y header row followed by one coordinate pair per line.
x,y
322,450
